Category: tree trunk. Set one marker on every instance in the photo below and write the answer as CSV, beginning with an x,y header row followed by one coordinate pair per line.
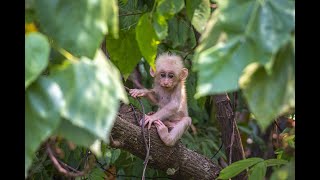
x,y
186,163
228,126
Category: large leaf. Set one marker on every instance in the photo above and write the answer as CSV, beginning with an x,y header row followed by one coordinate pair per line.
x,y
181,35
237,167
92,90
235,14
37,56
221,66
124,52
147,39
274,162
160,25
268,23
169,8
273,25
129,14
198,11
166,9
212,33
260,28
97,173
270,95
258,171
43,101
78,26
195,108
286,172
76,134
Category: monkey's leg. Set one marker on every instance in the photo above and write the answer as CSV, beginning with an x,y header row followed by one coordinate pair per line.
x,y
170,138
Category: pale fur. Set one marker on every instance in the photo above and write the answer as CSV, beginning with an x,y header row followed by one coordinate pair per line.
x,y
172,102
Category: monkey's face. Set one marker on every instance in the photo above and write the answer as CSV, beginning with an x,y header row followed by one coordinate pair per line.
x,y
167,79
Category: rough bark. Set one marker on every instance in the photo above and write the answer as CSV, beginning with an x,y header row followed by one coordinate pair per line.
x,y
225,117
187,163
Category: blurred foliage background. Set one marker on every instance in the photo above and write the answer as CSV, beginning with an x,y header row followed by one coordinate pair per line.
x,y
79,54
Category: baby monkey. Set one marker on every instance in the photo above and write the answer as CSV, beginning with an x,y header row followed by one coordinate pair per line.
x,y
171,119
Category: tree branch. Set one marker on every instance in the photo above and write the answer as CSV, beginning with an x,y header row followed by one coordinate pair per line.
x,y
229,131
186,164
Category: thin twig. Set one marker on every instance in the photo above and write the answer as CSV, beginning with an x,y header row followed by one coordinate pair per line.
x,y
67,166
135,114
147,157
218,150
61,169
278,126
147,145
232,139
146,160
87,153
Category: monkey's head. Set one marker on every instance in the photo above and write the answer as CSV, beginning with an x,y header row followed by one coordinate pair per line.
x,y
169,70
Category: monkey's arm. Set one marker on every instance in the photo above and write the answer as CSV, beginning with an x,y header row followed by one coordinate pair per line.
x,y
163,113
167,111
140,92
147,93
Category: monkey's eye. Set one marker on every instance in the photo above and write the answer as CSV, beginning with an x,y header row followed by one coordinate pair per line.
x,y
171,76
163,75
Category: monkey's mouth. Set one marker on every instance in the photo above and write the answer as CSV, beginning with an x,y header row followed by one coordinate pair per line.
x,y
166,86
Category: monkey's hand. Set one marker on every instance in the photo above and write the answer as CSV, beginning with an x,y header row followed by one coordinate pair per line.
x,y
150,113
138,92
161,128
148,120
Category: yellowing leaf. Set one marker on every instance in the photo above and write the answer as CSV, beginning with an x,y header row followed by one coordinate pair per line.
x,y
30,27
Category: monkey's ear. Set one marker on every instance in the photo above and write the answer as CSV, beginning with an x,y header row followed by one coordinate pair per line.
x,y
184,74
152,72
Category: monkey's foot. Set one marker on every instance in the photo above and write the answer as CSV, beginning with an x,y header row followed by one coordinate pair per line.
x,y
162,130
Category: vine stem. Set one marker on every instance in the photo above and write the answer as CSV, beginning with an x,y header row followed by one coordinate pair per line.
x,y
62,170
147,145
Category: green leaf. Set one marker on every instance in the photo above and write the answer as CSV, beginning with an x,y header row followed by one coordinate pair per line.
x,y
212,34
115,155
286,172
181,35
169,8
124,52
198,11
97,173
273,25
76,134
290,140
258,171
78,27
195,107
274,162
125,1
237,167
270,95
220,64
92,90
29,15
160,25
43,101
235,14
37,56
129,14
166,9
267,23
147,39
